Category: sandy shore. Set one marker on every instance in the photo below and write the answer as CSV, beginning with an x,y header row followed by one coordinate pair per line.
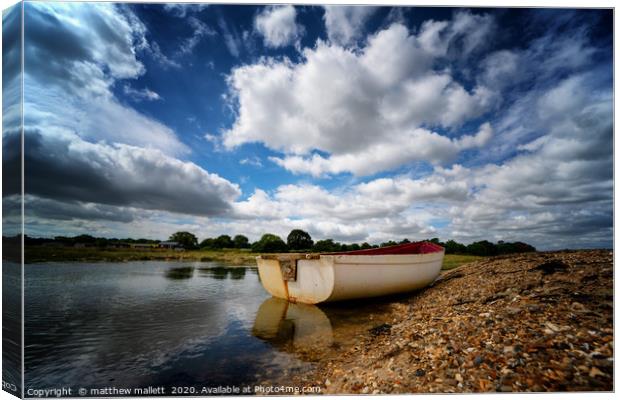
x,y
532,322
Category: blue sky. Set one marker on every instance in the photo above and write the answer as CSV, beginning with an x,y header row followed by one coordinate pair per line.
x,y
354,123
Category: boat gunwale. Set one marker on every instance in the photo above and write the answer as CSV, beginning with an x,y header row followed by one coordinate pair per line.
x,y
418,249
394,259
315,256
360,259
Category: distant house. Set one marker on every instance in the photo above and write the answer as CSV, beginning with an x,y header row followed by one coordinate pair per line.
x,y
170,245
142,246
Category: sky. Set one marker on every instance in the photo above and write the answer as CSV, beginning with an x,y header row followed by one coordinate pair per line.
x,y
357,123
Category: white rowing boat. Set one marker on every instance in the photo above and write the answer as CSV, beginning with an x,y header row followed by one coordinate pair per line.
x,y
317,278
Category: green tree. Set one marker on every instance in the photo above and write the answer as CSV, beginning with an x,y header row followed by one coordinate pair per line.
x,y
208,243
84,239
516,247
365,246
299,240
241,242
224,242
269,243
185,239
327,246
482,248
349,247
453,247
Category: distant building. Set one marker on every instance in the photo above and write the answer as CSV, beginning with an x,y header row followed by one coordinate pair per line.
x,y
142,246
170,245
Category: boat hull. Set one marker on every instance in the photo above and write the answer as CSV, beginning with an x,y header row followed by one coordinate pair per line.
x,y
343,277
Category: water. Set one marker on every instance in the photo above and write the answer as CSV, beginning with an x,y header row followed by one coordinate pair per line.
x,y
141,324
11,327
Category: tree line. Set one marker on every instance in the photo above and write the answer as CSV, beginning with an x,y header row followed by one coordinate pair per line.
x,y
296,241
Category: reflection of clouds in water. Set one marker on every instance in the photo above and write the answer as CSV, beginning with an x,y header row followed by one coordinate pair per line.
x,y
140,337
127,321
237,306
11,323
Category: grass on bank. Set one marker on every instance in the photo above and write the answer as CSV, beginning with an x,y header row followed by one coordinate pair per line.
x,y
43,254
451,261
233,256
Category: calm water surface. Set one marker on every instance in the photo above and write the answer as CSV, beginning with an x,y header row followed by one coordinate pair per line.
x,y
11,326
167,324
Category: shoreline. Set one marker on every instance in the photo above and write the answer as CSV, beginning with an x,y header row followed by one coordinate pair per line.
x,y
232,257
37,254
533,322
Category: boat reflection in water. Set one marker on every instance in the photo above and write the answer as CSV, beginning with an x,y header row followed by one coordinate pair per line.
x,y
311,333
292,326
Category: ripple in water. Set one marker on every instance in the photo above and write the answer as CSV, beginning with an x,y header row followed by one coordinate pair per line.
x,y
153,323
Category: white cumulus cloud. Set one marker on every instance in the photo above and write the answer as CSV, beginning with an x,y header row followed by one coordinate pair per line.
x,y
418,145
345,24
277,25
141,94
377,104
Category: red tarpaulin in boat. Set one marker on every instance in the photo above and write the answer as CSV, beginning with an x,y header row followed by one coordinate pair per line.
x,y
407,248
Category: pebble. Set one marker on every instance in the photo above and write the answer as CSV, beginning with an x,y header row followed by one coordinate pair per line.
x,y
578,307
594,372
552,327
513,310
450,382
534,308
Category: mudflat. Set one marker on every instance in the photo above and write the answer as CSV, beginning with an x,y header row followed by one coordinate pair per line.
x,y
533,322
